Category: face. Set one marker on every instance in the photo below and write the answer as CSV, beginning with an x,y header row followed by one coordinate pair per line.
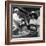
x,y
32,16
33,28
24,28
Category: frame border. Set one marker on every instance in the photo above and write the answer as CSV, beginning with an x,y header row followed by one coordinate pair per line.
x,y
7,39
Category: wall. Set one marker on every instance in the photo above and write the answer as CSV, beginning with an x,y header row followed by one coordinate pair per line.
x,y
2,24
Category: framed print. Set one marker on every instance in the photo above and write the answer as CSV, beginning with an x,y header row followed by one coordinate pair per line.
x,y
24,22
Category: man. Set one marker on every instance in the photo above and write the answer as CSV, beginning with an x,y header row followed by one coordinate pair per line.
x,y
19,27
16,19
33,26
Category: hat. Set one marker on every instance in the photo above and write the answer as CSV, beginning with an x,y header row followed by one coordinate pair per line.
x,y
16,9
32,11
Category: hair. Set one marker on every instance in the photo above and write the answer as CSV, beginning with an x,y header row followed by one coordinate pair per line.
x,y
32,29
35,15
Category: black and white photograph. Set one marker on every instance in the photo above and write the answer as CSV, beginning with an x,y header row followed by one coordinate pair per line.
x,y
25,21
